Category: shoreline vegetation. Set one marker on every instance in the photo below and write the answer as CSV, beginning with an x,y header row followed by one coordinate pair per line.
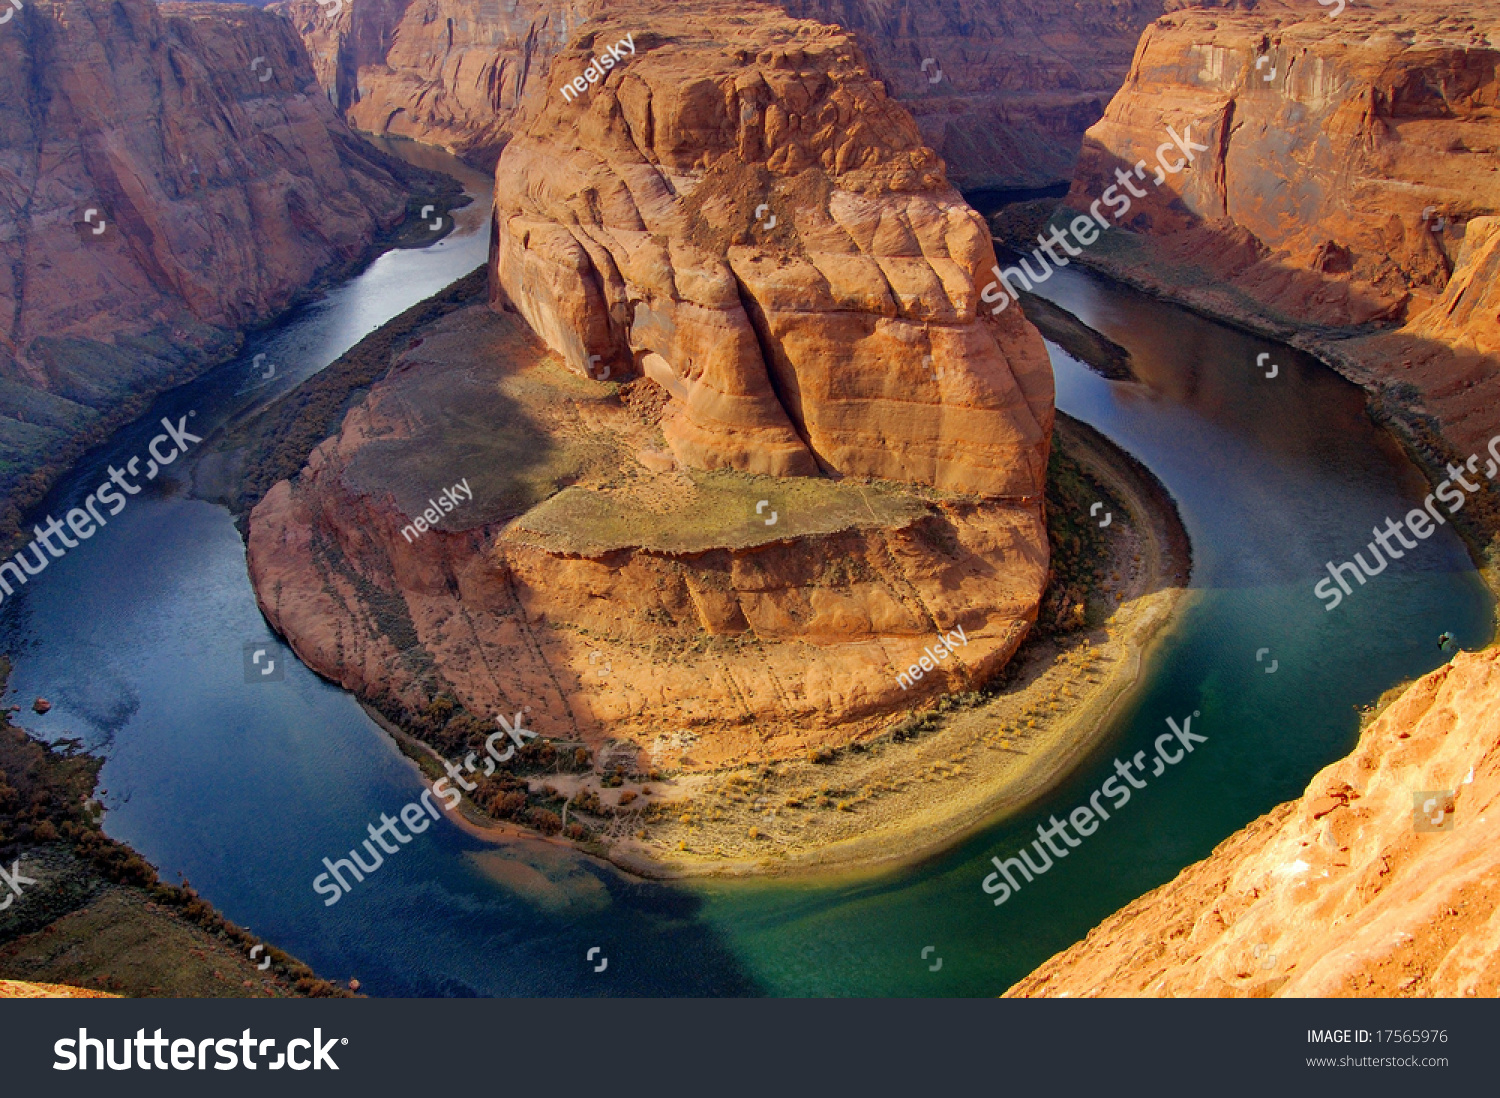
x,y
97,915
961,762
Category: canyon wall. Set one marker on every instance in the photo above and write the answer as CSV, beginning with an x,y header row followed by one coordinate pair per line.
x,y
1342,194
1383,879
1013,84
1003,91
444,72
223,185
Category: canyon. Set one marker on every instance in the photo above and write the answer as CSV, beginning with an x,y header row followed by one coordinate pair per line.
x,y
1380,880
1344,195
740,440
1003,92
732,467
169,175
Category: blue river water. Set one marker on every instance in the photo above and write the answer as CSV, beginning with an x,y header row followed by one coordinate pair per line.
x,y
137,637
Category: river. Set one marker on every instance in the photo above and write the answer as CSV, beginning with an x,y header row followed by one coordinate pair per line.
x,y
242,788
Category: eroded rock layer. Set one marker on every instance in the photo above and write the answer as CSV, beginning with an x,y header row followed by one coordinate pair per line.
x,y
450,73
221,185
688,619
1382,879
749,221
1344,186
1002,90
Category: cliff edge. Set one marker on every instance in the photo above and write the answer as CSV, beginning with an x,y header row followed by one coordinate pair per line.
x,y
1381,880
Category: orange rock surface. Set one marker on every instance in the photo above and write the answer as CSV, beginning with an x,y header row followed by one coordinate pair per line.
x,y
749,221
444,72
1383,879
638,604
1348,189
222,197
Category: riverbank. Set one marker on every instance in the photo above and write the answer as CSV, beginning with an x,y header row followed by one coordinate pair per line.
x,y
962,764
411,231
915,783
1127,259
93,913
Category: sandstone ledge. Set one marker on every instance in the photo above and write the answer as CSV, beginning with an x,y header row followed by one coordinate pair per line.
x,y
1336,893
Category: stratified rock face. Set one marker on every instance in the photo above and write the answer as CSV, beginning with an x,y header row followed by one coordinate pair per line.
x,y
696,619
444,72
1347,178
1376,882
222,180
1002,89
750,222
1011,85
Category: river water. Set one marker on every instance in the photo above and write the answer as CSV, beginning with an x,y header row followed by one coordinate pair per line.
x,y
242,788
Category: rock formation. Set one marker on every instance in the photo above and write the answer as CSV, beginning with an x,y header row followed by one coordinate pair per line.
x,y
737,476
752,223
1002,91
222,185
1380,880
1343,193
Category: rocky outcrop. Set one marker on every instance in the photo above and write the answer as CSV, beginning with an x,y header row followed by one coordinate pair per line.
x,y
750,222
221,184
740,270
1343,191
674,618
1002,91
1380,880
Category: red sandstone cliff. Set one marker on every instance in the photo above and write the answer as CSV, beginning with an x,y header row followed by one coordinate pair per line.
x,y
1338,893
1021,81
655,557
1348,194
223,196
749,221
444,72
1009,91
